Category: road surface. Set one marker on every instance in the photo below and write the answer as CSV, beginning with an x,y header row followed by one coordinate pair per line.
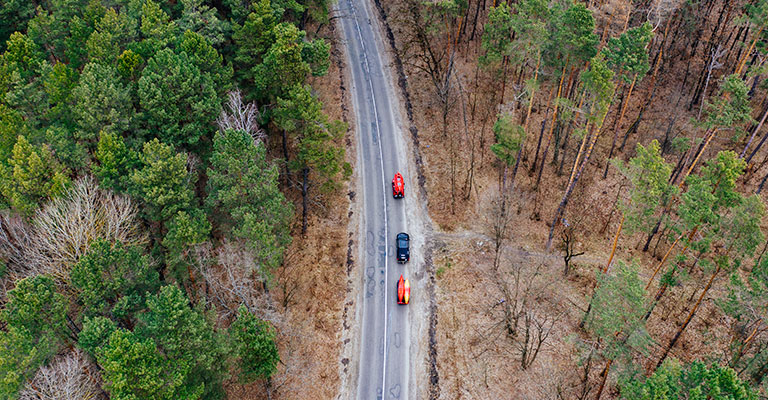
x,y
384,362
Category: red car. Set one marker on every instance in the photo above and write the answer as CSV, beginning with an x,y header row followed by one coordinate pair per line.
x,y
403,291
398,186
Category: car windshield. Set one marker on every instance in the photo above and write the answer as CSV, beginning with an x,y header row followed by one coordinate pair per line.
x,y
402,243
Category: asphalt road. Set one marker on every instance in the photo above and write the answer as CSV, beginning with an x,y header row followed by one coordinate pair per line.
x,y
384,360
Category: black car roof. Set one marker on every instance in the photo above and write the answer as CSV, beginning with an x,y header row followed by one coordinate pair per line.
x,y
402,235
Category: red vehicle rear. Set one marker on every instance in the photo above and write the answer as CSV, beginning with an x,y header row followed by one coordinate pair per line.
x,y
398,186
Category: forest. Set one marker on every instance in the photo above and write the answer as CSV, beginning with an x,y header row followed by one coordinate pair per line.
x,y
601,164
155,159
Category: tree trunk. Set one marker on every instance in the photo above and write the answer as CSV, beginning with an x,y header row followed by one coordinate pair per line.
x,y
752,137
689,318
663,259
304,189
617,124
603,379
564,202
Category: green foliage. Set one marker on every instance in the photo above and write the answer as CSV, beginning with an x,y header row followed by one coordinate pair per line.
x,y
180,103
34,316
156,27
186,340
627,55
15,14
649,175
163,181
185,230
20,87
103,103
694,381
254,345
112,35
530,26
285,64
11,126
598,82
115,162
731,110
243,186
571,36
202,19
509,138
300,113
205,57
497,35
133,369
618,308
58,83
31,176
111,280
95,333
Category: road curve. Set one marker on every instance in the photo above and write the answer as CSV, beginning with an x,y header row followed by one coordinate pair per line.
x,y
384,341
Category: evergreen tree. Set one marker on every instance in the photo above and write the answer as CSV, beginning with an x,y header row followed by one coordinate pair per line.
x,y
301,114
34,320
180,103
116,162
103,103
254,346
32,175
694,381
113,33
208,60
163,181
111,280
243,187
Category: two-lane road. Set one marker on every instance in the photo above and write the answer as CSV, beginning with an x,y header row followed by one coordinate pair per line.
x,y
384,361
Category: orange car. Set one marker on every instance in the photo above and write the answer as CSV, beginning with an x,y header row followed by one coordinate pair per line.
x,y
403,291
398,186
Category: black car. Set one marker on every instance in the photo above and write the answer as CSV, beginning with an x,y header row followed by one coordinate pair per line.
x,y
403,252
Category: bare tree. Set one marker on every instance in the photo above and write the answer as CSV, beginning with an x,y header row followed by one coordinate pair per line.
x,y
15,237
230,279
241,117
64,229
69,376
567,247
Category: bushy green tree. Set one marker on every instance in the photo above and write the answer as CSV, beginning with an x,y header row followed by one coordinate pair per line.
x,y
300,113
103,103
34,317
116,162
254,345
113,33
627,54
111,279
185,230
572,39
672,381
200,18
15,14
32,175
95,333
497,35
187,340
207,59
157,28
180,103
649,175
163,182
132,368
20,85
243,187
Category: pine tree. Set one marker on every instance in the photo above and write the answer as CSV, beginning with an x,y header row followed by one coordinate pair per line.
x,y
254,346
163,182
243,188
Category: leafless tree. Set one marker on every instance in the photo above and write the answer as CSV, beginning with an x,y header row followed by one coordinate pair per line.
x,y
567,247
64,229
67,377
230,279
535,330
241,117
15,237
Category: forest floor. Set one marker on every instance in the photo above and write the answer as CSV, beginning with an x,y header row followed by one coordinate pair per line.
x,y
314,280
475,357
